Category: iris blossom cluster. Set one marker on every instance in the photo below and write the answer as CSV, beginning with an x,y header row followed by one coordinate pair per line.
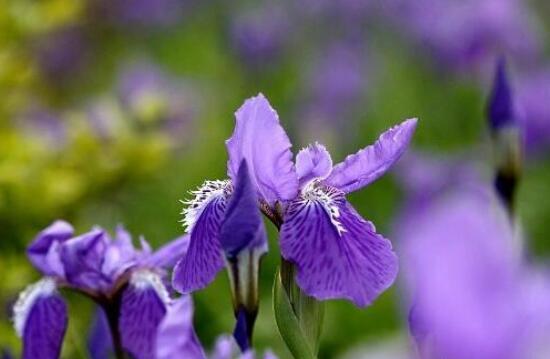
x,y
337,253
126,282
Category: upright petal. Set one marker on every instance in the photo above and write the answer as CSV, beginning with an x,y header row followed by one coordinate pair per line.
x,y
43,252
40,318
176,336
313,162
83,258
143,308
243,226
261,141
367,165
168,255
204,258
337,253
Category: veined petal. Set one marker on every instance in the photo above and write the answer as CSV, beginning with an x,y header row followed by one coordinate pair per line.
x,y
262,142
313,162
176,336
143,307
43,252
346,259
204,258
367,165
40,318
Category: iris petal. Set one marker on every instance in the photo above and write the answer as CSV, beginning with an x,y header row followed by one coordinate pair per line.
x,y
204,257
367,165
262,142
351,262
313,162
143,308
176,336
40,317
43,252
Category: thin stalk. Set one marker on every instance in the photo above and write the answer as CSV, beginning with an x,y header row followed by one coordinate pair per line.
x,y
112,311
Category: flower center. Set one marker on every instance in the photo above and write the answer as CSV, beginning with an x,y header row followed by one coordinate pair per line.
x,y
146,279
328,197
206,193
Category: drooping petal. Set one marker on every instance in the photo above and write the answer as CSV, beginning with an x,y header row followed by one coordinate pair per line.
x,y
243,226
142,310
43,252
168,255
40,318
337,253
83,258
313,162
262,142
204,258
100,344
176,336
367,165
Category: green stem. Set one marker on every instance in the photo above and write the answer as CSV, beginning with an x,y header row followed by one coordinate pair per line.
x,y
308,310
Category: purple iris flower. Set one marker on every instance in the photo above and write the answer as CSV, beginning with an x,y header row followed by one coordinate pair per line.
x,y
44,124
226,228
259,34
470,293
467,34
127,283
151,96
140,13
63,53
533,94
338,254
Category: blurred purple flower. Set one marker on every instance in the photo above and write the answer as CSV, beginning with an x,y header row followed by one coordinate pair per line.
x,y
150,95
140,13
533,97
127,282
62,53
336,82
469,34
259,34
44,124
471,296
320,231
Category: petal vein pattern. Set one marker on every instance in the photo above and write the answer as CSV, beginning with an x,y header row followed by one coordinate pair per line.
x,y
206,193
368,164
357,264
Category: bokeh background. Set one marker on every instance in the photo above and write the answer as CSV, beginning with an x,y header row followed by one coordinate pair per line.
x,y
111,110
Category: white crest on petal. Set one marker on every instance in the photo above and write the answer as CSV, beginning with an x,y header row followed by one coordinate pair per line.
x,y
326,196
207,192
143,279
22,307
